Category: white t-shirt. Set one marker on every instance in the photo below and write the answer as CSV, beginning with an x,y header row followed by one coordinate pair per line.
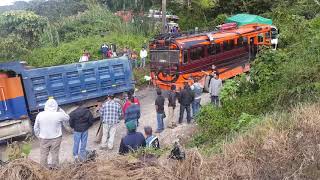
x,y
143,53
84,59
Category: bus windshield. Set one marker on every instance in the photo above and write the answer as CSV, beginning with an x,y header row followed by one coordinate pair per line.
x,y
164,56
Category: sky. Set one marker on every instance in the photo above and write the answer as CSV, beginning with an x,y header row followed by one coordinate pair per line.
x,y
8,2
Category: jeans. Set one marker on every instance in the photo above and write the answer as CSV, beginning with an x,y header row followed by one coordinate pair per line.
x,y
171,117
50,146
160,125
109,132
80,138
143,62
134,63
182,108
195,106
215,100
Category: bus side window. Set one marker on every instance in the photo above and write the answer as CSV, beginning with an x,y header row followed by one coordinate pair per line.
x,y
193,54
196,53
245,41
225,46
267,35
211,49
231,44
218,48
260,38
200,51
185,56
240,42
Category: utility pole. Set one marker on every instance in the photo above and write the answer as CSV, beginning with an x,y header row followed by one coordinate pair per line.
x,y
164,16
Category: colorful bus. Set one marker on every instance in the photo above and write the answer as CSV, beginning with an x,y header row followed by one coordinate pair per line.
x,y
178,58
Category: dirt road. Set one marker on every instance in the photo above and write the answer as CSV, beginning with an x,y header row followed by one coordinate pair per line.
x,y
148,117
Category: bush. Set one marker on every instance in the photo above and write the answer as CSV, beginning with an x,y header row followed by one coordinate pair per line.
x,y
70,52
139,76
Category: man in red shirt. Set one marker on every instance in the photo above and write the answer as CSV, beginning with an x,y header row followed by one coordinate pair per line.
x,y
128,102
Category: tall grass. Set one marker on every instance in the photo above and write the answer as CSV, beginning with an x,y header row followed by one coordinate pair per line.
x,y
282,146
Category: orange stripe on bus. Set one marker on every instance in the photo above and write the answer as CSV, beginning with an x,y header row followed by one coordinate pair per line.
x,y
10,88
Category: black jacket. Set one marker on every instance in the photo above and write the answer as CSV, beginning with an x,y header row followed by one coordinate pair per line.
x,y
81,119
186,96
172,99
131,142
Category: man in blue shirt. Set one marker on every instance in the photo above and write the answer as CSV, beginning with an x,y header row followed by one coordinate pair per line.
x,y
133,140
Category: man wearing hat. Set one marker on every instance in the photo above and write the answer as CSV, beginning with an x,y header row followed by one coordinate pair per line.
x,y
133,140
111,113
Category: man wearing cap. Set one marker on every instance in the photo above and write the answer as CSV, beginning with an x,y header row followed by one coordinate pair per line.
x,y
111,113
133,140
48,128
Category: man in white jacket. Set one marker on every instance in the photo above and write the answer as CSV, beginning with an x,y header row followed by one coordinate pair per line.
x,y
48,128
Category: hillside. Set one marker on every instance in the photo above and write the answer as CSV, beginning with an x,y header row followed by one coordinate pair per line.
x,y
281,146
268,124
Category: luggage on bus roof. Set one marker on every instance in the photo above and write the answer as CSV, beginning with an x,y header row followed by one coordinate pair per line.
x,y
243,19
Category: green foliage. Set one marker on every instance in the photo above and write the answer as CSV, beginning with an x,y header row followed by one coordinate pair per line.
x,y
20,31
220,19
55,9
25,25
15,150
217,123
144,153
229,90
139,76
97,21
193,13
133,5
70,52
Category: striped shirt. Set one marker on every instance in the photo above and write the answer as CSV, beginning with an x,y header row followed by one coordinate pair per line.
x,y
111,112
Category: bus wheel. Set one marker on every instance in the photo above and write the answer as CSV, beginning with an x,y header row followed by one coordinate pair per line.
x,y
206,84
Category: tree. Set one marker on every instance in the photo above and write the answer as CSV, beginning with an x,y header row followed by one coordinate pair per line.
x,y
25,25
55,9
20,32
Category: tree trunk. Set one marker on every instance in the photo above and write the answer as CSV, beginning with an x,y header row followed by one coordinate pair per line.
x,y
164,8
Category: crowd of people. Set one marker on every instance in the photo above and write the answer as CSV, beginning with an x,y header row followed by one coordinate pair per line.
x,y
110,51
48,124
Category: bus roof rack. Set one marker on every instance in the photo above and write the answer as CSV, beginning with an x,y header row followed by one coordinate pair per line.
x,y
191,33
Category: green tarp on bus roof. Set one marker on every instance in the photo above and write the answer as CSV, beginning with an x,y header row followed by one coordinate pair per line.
x,y
243,19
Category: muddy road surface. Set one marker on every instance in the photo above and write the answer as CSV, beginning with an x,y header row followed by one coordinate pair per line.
x,y
148,117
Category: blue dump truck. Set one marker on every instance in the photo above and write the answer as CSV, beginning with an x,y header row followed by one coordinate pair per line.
x,y
24,91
